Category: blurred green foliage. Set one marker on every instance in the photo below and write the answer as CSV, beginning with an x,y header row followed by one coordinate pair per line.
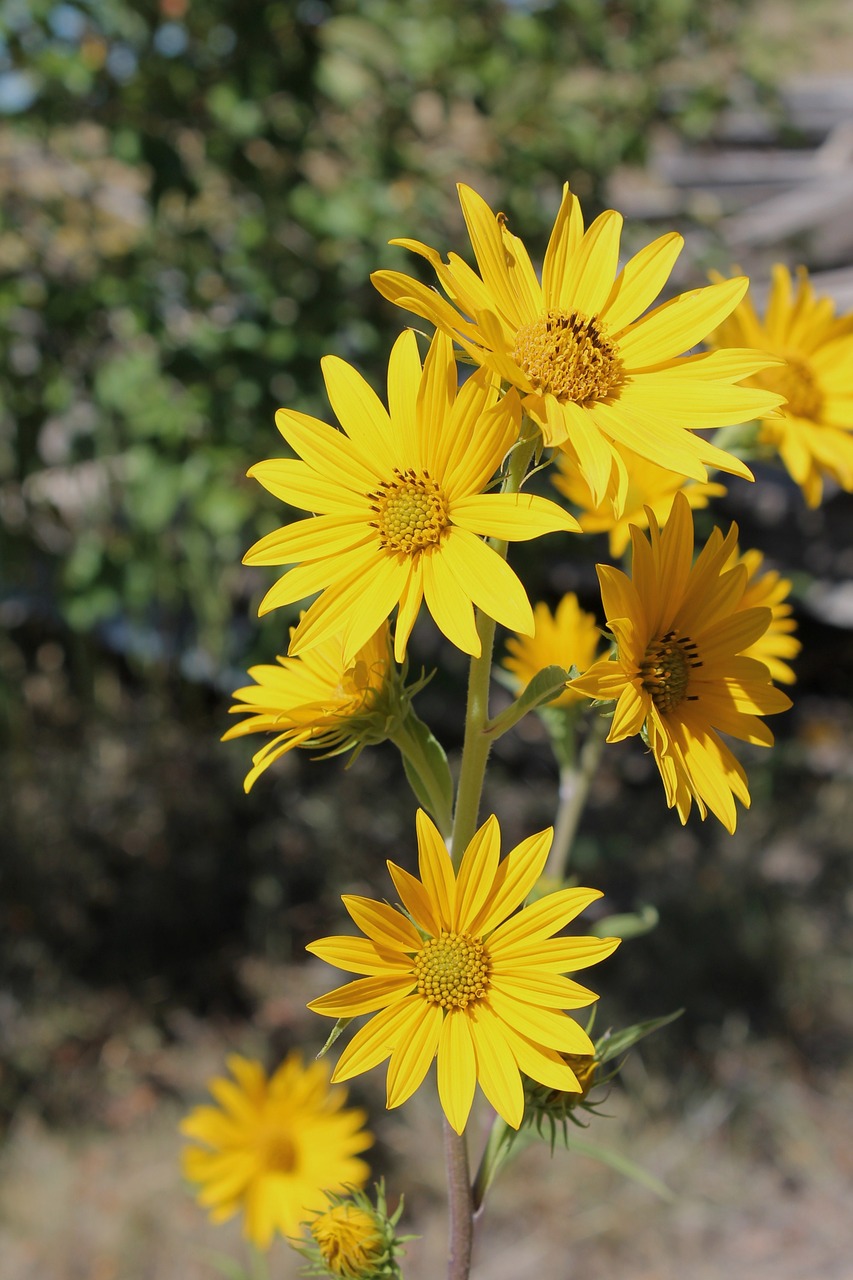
x,y
193,197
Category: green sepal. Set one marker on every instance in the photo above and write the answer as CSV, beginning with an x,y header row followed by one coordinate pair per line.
x,y
613,1043
546,685
340,1025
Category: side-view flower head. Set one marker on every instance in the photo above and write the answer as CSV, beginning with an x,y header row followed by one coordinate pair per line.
x,y
814,432
402,511
592,369
273,1147
778,645
460,975
320,701
680,675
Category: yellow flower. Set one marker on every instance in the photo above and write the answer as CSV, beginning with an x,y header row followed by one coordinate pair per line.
x,y
814,434
319,701
568,637
402,512
275,1146
681,673
771,590
349,1240
648,486
460,976
592,369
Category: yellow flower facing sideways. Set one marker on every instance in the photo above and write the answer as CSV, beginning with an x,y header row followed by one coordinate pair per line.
x,y
317,700
401,510
593,370
461,975
814,433
778,644
681,674
649,486
272,1147
568,637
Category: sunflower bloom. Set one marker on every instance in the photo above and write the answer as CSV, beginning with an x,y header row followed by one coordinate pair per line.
x,y
401,510
568,637
648,486
814,433
770,590
592,369
320,701
274,1146
459,975
681,672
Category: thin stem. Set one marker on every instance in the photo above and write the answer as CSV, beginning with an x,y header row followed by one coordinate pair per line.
x,y
575,782
460,1204
475,753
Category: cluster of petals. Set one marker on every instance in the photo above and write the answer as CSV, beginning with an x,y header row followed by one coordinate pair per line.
x,y
460,975
814,432
400,503
593,366
681,673
272,1146
317,700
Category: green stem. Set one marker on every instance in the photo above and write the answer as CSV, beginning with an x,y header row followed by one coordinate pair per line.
x,y
258,1264
477,742
475,752
575,781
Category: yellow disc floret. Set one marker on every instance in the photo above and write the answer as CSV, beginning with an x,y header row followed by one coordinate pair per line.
x,y
278,1153
411,512
569,356
796,382
452,970
666,668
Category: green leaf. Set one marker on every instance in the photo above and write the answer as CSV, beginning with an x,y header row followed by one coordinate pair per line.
x,y
427,770
632,924
544,687
615,1160
613,1043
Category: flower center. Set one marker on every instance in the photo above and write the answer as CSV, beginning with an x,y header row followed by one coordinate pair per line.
x,y
279,1153
569,356
796,382
452,970
666,670
411,512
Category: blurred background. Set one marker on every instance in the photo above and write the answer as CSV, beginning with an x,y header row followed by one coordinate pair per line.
x,y
192,198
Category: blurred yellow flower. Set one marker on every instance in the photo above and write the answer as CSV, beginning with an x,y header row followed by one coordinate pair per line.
x,y
814,434
770,589
274,1146
318,701
681,672
568,637
402,510
460,975
648,485
593,369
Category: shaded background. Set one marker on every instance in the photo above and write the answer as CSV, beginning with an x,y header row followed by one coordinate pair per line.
x,y
193,197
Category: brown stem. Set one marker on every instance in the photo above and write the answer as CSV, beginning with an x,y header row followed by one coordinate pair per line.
x,y
460,1205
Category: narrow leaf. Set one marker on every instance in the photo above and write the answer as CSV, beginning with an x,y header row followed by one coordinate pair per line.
x,y
544,687
612,1043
